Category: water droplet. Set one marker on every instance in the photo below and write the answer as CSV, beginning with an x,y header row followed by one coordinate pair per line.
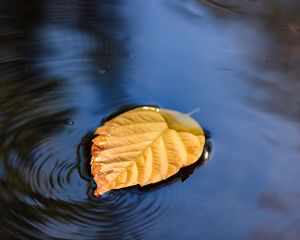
x,y
207,150
69,122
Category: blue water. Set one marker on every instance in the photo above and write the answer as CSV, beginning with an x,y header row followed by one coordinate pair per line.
x,y
66,65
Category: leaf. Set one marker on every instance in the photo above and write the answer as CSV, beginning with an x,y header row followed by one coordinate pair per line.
x,y
143,146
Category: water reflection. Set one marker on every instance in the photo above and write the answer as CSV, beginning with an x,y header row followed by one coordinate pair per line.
x,y
273,89
278,23
285,217
65,65
61,63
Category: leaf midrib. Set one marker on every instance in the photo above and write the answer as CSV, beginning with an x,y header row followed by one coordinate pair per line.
x,y
154,140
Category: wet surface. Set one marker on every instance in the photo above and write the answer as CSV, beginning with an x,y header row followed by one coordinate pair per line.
x,y
66,65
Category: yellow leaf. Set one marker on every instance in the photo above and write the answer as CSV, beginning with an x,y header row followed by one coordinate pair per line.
x,y
142,146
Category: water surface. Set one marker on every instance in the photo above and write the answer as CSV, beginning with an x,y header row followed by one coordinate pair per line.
x,y
66,65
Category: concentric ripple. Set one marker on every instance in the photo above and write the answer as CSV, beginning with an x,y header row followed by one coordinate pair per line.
x,y
49,189
64,65
132,210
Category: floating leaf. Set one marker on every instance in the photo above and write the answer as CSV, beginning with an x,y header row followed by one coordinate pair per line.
x,y
143,146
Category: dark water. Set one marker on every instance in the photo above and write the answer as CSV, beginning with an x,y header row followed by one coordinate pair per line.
x,y
65,65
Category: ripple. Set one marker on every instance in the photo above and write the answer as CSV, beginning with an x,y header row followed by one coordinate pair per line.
x,y
136,209
65,51
45,179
